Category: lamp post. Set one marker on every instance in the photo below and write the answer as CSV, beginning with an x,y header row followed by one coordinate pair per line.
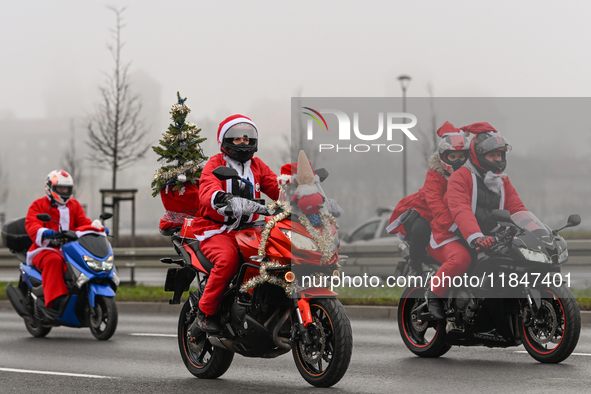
x,y
404,82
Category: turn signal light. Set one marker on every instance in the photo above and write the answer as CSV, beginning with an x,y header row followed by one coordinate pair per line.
x,y
289,276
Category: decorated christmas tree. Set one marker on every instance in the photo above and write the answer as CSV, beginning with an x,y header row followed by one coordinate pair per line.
x,y
181,161
181,156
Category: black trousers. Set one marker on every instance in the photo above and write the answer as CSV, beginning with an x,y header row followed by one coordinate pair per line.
x,y
419,231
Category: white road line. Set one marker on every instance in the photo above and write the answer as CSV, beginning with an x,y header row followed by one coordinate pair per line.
x,y
76,375
572,354
145,334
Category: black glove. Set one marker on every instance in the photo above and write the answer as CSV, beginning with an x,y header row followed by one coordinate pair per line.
x,y
483,243
221,199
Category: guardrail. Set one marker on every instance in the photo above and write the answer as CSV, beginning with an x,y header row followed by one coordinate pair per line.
x,y
361,256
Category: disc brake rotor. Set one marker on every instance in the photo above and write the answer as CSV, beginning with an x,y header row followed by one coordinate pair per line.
x,y
419,327
313,353
96,318
543,332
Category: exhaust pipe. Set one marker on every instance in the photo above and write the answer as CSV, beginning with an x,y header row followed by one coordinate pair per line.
x,y
18,303
280,342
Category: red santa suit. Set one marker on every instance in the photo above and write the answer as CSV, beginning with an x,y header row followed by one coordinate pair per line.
x,y
217,242
462,200
48,259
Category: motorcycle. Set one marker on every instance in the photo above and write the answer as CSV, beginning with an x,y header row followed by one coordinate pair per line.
x,y
265,312
91,279
521,297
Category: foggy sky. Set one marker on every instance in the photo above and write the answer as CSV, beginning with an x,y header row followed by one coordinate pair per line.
x,y
252,57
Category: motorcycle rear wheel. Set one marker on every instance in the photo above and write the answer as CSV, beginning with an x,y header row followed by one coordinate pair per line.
x,y
201,358
34,329
103,322
554,335
325,362
425,339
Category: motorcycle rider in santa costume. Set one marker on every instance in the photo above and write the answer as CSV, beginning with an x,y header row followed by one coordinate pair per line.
x,y
43,254
238,141
414,215
473,192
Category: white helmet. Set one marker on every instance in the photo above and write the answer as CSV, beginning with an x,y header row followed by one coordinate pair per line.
x,y
59,178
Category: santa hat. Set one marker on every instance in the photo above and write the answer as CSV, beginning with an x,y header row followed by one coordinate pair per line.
x,y
229,122
448,129
307,194
479,127
289,173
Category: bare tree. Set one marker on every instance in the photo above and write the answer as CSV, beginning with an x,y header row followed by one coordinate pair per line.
x,y
296,140
71,162
115,131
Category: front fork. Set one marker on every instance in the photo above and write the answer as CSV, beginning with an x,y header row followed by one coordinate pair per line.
x,y
304,314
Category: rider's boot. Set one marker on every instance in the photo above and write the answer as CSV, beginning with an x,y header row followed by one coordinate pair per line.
x,y
207,323
435,305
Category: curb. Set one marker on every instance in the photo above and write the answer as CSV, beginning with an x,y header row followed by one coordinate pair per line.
x,y
353,311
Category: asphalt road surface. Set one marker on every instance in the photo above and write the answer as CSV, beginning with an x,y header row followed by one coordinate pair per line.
x,y
143,357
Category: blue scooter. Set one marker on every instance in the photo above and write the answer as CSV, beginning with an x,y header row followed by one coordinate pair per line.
x,y
91,279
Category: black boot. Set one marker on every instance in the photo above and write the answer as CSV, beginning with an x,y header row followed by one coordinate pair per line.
x,y
435,305
208,323
59,304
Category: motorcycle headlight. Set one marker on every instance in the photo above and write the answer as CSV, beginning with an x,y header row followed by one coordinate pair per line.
x,y
99,265
533,255
299,241
563,256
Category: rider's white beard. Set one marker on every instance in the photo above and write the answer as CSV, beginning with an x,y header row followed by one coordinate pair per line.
x,y
494,182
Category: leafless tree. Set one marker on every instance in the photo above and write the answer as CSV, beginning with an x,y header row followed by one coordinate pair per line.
x,y
115,131
72,162
296,140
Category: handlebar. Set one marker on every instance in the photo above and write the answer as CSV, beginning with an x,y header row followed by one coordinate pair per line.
x,y
63,237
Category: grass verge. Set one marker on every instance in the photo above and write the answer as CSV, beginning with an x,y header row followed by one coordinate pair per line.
x,y
381,296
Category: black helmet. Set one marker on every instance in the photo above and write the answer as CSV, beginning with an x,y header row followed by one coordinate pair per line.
x,y
244,151
488,142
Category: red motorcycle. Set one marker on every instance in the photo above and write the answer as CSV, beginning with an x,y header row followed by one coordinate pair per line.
x,y
266,312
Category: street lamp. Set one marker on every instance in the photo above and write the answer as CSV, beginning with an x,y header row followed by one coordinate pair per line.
x,y
404,82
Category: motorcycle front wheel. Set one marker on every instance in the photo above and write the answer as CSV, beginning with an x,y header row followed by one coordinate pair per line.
x,y
423,338
103,319
201,358
324,362
552,335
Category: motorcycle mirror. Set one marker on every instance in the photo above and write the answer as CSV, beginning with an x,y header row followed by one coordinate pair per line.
x,y
105,216
322,174
44,217
573,220
501,215
222,173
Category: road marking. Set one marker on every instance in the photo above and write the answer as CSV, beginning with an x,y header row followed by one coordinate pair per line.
x,y
76,375
145,334
572,354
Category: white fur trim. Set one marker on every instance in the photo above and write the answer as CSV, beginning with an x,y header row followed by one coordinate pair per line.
x,y
82,233
32,254
230,124
39,238
211,233
285,179
435,245
473,237
213,196
64,217
393,225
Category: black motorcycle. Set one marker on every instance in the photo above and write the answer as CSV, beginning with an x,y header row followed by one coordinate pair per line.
x,y
513,294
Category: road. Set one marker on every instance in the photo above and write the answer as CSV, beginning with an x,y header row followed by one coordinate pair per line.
x,y
143,357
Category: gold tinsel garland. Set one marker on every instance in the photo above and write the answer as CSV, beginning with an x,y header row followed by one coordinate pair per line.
x,y
324,238
264,277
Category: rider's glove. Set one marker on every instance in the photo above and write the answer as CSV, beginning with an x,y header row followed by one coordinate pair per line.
x,y
106,231
49,234
333,208
242,206
221,199
483,243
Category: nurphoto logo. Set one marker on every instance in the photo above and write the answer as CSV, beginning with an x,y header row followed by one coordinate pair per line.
x,y
393,124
